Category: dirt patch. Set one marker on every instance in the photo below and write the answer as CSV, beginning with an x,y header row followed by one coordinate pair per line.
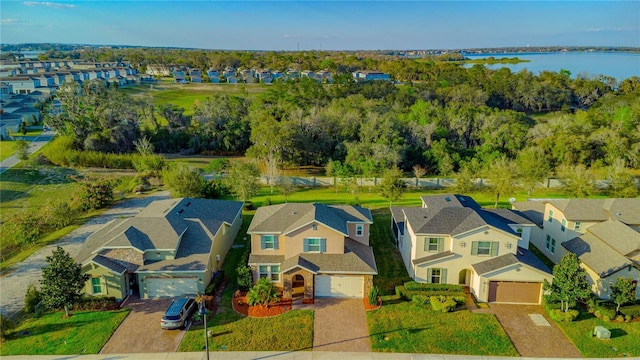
x,y
240,305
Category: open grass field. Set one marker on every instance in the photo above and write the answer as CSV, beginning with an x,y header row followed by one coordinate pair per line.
x,y
624,342
399,326
83,333
7,148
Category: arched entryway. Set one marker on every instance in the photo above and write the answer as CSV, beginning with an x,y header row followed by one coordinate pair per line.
x,y
464,277
297,285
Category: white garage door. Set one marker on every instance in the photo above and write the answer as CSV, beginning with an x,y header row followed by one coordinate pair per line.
x,y
339,286
169,287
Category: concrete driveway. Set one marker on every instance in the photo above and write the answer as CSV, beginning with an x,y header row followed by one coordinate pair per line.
x,y
340,325
140,332
532,332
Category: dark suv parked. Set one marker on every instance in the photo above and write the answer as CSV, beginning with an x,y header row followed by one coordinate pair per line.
x,y
178,313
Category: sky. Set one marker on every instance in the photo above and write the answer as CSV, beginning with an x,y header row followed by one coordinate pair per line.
x,y
323,25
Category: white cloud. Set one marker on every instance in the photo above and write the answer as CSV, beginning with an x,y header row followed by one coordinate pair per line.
x,y
9,21
49,4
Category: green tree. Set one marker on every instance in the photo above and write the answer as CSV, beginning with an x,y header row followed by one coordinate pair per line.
x,y
62,281
185,182
576,180
262,293
569,282
5,326
623,291
622,183
285,184
22,151
245,277
418,172
95,193
242,180
533,167
464,180
31,299
502,177
392,187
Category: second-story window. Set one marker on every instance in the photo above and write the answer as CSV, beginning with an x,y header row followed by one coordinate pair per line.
x,y
564,225
433,244
550,218
359,230
576,225
316,245
269,242
489,248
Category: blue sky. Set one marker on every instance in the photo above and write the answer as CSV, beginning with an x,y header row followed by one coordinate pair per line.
x,y
327,25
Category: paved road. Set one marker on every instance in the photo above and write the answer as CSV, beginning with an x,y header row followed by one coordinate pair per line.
x,y
36,143
14,281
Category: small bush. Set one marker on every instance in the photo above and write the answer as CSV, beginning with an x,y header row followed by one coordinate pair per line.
x,y
633,310
5,326
620,318
97,304
31,299
628,318
561,316
442,303
373,295
248,206
267,202
215,284
416,286
244,277
605,310
420,300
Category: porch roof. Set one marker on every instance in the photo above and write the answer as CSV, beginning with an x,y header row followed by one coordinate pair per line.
x,y
522,256
433,257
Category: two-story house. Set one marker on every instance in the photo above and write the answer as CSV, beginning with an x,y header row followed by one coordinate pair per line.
x,y
172,247
452,240
315,250
604,233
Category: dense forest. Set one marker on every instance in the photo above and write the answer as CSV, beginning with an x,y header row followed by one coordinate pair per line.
x,y
443,117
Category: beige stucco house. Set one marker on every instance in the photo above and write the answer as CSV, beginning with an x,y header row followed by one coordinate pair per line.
x,y
452,240
604,233
172,247
315,250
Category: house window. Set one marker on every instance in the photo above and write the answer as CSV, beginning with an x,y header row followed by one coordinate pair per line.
x,y
272,272
550,218
564,225
264,271
576,225
436,275
489,248
275,273
96,285
551,244
519,231
316,245
269,242
433,244
359,230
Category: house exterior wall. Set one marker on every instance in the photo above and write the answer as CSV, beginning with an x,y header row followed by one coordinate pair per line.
x,y
602,286
293,243
364,238
160,255
112,284
516,272
222,242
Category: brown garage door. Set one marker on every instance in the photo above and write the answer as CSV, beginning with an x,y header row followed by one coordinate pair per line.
x,y
514,292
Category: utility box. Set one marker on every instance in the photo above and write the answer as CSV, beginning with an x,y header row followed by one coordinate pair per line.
x,y
601,333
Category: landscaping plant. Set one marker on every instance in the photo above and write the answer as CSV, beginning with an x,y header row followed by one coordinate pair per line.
x,y
623,291
569,282
373,295
262,293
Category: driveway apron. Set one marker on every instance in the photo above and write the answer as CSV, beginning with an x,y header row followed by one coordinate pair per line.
x,y
340,325
532,332
140,332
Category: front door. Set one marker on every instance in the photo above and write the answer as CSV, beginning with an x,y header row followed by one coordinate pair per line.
x,y
297,285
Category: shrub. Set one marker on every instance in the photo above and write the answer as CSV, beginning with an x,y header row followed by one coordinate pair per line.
x,y
267,202
373,295
416,286
94,194
218,278
5,326
31,299
244,278
605,310
633,310
262,293
97,304
620,318
442,303
561,316
628,318
420,300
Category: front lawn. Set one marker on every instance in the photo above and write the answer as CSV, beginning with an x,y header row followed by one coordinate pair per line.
x,y
624,342
402,327
84,332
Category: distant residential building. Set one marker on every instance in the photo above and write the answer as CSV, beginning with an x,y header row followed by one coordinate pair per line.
x,y
214,76
179,76
371,76
195,75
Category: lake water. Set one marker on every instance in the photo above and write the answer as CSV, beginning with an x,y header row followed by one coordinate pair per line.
x,y
615,64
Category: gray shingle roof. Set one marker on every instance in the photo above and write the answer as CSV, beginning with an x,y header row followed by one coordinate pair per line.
x,y
581,209
433,257
532,210
624,210
158,226
597,255
285,218
109,264
619,236
357,259
522,256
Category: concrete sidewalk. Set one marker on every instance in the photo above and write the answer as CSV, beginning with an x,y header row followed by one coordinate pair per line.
x,y
35,145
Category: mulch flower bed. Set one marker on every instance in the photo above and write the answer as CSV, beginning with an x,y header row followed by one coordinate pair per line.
x,y
240,305
368,306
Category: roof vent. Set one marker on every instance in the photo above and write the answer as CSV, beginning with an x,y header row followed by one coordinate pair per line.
x,y
618,214
180,211
188,203
293,213
448,199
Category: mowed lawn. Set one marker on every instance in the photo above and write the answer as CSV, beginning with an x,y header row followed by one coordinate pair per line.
x,y
84,332
399,326
624,342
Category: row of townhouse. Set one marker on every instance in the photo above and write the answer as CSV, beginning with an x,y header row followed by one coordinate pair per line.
x,y
48,82
233,76
36,67
452,240
16,109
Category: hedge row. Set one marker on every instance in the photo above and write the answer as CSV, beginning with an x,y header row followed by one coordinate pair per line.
x,y
416,286
409,295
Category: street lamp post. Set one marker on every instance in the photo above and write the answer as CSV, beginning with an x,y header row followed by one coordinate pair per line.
x,y
203,312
